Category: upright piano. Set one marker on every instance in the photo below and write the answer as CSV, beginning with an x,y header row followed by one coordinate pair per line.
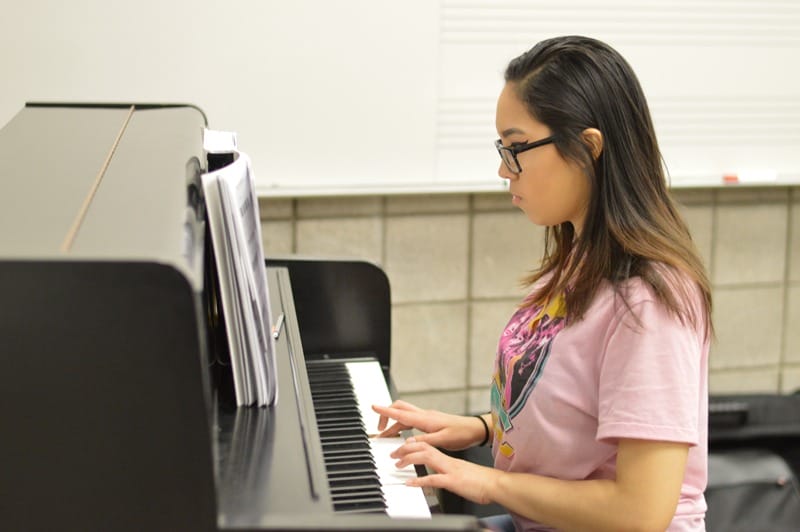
x,y
116,397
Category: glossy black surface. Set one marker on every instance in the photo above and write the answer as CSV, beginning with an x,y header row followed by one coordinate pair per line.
x,y
115,412
269,460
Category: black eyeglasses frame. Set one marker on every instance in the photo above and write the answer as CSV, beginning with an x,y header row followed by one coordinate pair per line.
x,y
508,154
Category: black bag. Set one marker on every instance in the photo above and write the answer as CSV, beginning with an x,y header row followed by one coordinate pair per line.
x,y
751,490
753,463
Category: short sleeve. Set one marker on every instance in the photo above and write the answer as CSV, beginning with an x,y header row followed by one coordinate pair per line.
x,y
651,377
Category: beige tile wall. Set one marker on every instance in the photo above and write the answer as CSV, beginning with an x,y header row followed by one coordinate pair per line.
x,y
454,263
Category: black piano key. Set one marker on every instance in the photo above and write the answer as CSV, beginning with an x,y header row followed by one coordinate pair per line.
x,y
352,475
349,467
337,405
349,415
362,504
368,511
347,456
332,458
340,409
336,428
358,495
344,486
340,448
345,439
339,422
357,466
340,479
345,436
331,387
325,397
333,430
321,378
332,419
327,368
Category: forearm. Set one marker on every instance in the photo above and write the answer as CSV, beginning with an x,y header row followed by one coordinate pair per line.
x,y
595,505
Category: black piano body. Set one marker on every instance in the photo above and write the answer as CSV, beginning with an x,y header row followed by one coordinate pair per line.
x,y
115,395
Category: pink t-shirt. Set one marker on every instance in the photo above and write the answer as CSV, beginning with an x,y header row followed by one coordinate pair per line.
x,y
563,395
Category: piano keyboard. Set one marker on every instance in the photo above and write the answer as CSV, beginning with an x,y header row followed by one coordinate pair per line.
x,y
361,475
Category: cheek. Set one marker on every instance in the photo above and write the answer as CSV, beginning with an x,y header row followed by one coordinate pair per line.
x,y
554,193
544,196
541,201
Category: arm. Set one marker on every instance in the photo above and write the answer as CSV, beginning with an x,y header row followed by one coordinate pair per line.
x,y
448,431
644,495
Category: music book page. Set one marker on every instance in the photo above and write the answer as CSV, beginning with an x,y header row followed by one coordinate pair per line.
x,y
235,224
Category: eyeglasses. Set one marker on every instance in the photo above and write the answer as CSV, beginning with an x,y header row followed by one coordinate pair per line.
x,y
509,153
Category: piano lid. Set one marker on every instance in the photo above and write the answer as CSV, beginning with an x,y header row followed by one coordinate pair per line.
x,y
101,182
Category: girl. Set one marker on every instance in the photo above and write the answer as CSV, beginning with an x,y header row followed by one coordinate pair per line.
x,y
599,394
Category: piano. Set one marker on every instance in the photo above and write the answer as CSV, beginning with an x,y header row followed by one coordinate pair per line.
x,y
116,396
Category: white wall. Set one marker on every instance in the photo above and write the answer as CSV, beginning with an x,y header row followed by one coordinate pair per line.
x,y
347,96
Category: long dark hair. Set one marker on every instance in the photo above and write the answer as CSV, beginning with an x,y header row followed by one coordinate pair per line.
x,y
632,226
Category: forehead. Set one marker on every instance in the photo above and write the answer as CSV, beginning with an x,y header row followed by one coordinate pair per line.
x,y
512,115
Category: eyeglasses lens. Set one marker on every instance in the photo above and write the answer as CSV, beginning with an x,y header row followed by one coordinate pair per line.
x,y
509,161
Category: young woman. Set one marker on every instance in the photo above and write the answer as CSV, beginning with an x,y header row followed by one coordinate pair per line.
x,y
599,394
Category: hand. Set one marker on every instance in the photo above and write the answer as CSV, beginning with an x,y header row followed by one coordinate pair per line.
x,y
471,481
447,431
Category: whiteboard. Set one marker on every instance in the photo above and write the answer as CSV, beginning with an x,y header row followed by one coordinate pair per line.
x,y
379,96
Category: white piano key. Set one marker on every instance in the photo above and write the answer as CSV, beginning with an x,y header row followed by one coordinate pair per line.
x,y
370,388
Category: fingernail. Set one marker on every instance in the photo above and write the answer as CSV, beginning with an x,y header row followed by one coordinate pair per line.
x,y
410,439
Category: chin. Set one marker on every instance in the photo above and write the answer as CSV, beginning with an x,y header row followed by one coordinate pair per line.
x,y
536,219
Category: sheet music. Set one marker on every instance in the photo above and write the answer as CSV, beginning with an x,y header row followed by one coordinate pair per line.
x,y
232,208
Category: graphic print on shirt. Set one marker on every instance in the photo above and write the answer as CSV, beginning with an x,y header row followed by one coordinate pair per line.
x,y
522,354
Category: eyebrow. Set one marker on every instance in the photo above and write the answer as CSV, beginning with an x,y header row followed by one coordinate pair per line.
x,y
511,131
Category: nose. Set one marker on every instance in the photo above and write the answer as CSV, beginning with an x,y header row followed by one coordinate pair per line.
x,y
505,173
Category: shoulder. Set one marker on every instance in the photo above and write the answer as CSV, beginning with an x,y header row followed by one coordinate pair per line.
x,y
659,286
657,278
661,291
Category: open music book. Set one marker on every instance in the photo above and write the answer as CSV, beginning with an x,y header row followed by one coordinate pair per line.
x,y
235,224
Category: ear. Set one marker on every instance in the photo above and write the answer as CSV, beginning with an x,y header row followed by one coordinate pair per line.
x,y
594,139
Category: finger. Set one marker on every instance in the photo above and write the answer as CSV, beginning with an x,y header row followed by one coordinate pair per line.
x,y
403,405
392,431
396,405
421,453
434,439
415,452
408,418
392,410
433,480
410,445
385,414
417,458
382,421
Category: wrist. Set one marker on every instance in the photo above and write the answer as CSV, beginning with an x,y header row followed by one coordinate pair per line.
x,y
485,433
492,486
